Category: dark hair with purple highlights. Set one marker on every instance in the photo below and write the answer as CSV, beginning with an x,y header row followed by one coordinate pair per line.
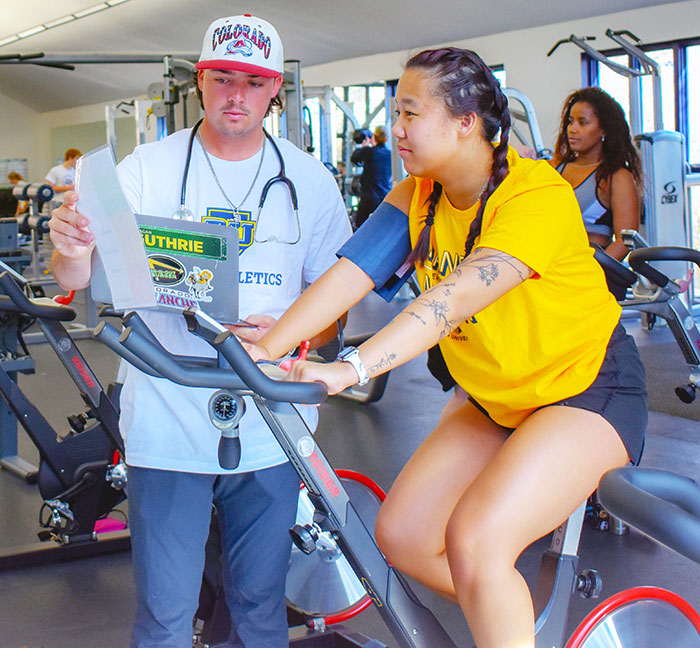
x,y
467,85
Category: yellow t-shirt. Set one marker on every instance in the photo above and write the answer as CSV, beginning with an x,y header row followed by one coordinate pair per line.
x,y
545,340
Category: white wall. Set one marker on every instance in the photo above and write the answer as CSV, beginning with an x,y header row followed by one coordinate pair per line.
x,y
26,133
546,81
19,135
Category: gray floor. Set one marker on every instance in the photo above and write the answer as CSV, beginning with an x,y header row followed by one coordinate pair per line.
x,y
89,602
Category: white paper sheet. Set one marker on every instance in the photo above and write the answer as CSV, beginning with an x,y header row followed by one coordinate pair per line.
x,y
117,236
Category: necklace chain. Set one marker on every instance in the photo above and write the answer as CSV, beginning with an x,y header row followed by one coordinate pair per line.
x,y
585,165
236,210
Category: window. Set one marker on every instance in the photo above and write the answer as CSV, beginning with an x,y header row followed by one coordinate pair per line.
x,y
679,63
693,106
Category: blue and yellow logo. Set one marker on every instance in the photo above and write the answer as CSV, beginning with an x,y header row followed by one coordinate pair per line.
x,y
225,217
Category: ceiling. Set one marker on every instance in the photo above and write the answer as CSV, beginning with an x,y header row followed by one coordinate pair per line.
x,y
313,31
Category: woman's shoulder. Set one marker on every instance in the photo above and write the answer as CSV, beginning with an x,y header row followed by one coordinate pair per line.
x,y
403,192
525,174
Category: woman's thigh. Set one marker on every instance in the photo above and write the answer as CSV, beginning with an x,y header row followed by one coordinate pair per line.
x,y
435,478
543,472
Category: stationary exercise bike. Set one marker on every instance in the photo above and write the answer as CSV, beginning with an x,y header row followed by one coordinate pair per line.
x,y
649,290
81,475
336,515
666,507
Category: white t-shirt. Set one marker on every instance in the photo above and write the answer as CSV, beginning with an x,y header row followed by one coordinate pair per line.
x,y
166,425
59,176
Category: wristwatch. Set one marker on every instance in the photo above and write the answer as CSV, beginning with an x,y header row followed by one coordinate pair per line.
x,y
352,355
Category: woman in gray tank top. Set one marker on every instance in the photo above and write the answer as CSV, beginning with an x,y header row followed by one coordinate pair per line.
x,y
595,154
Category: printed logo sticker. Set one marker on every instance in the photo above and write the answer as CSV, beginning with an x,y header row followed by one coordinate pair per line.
x,y
199,283
166,271
193,244
172,298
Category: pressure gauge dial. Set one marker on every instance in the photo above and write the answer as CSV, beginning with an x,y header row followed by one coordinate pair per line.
x,y
225,409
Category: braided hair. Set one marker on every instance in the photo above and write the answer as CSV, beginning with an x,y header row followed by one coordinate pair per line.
x,y
619,152
467,85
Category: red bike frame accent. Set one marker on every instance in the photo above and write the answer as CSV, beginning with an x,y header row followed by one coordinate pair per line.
x,y
365,601
624,597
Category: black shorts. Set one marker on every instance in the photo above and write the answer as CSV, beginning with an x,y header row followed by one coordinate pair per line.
x,y
618,393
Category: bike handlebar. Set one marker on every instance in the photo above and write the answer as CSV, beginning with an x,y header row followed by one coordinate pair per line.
x,y
661,504
639,261
16,300
242,372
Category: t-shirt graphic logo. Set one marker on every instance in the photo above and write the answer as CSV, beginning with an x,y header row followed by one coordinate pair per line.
x,y
225,217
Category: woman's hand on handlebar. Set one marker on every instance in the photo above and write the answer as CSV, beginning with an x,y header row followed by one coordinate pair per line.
x,y
69,230
337,376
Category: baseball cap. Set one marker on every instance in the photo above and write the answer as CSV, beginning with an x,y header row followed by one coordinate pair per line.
x,y
243,43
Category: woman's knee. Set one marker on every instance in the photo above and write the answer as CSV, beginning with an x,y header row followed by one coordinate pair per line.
x,y
470,548
396,536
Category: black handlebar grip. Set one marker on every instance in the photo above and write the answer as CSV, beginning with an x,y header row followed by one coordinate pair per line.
x,y
230,450
311,393
663,505
49,310
639,260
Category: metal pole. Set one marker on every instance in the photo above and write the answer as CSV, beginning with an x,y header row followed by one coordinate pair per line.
x,y
168,93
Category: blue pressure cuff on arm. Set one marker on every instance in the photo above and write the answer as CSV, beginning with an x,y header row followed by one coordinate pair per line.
x,y
380,248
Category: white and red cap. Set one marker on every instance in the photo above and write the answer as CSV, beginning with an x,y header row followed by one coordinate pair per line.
x,y
243,43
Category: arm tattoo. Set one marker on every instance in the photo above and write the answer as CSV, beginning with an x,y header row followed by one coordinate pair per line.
x,y
387,362
440,310
488,266
416,316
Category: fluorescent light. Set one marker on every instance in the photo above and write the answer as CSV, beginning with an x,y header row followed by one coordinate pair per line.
x,y
30,32
59,21
91,10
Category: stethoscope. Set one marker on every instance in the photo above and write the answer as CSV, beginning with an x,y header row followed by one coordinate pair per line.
x,y
185,214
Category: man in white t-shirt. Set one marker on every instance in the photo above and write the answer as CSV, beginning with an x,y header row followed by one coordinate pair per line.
x,y
171,447
62,176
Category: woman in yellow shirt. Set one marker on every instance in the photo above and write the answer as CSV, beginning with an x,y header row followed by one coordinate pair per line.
x,y
527,327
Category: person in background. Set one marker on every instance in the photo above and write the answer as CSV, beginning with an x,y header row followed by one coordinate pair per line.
x,y
519,306
595,154
22,205
62,176
374,156
171,447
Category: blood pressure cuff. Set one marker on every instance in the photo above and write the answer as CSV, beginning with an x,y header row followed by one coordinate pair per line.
x,y
380,247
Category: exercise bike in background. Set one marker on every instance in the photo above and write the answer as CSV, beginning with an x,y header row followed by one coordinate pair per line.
x,y
81,475
649,290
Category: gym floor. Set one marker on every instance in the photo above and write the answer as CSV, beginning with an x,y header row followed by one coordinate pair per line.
x,y
89,602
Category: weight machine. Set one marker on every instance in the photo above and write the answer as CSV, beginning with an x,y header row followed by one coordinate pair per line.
x,y
666,221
